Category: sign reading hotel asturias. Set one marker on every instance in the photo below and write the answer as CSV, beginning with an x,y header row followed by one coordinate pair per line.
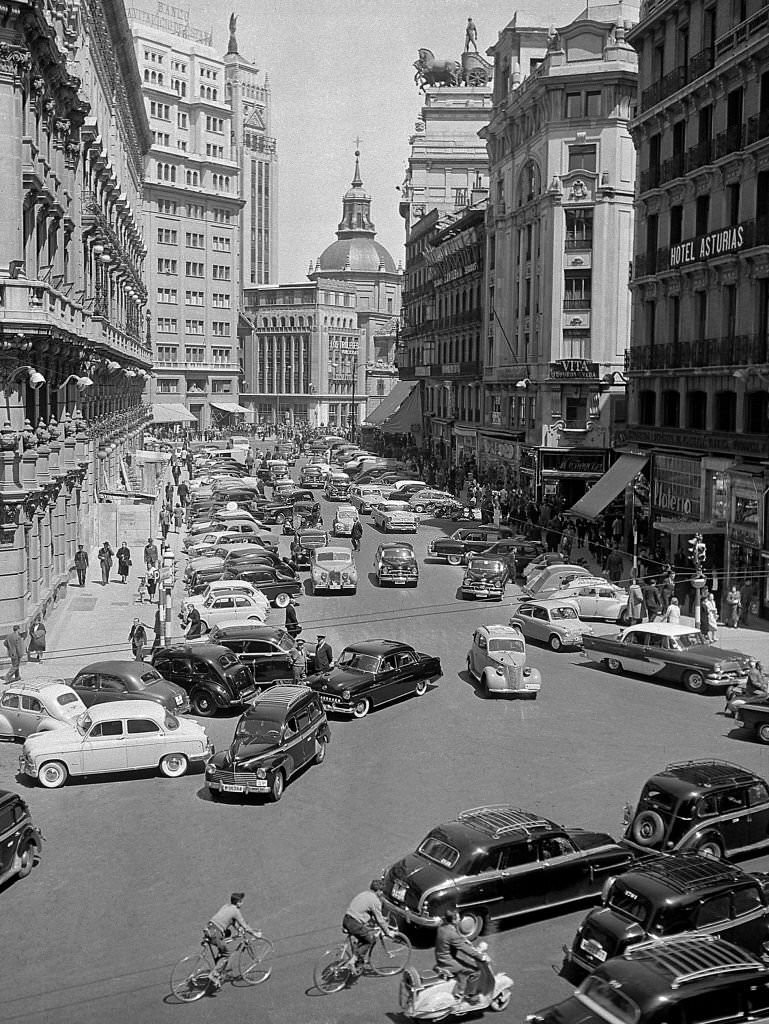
x,y
703,247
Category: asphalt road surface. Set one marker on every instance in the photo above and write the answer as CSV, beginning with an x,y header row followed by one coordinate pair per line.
x,y
133,867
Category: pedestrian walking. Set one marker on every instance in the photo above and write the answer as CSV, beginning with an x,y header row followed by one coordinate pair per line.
x,y
150,553
673,612
355,534
176,473
105,561
190,465
183,494
81,564
137,637
14,645
652,598
298,663
324,656
165,522
153,575
169,493
733,607
36,646
615,564
178,517
195,625
746,600
709,617
292,624
123,561
636,609
158,629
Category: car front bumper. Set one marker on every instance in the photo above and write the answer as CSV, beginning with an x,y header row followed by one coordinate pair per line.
x,y
410,916
338,705
482,590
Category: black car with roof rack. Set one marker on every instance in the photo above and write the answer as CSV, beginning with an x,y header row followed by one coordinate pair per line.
x,y
711,807
693,980
283,731
670,895
213,676
499,862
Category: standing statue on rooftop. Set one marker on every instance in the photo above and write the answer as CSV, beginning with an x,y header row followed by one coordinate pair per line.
x,y
233,45
471,36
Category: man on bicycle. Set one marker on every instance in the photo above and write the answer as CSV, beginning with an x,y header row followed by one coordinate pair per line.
x,y
363,917
221,926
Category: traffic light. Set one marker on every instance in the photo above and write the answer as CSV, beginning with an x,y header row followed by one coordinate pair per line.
x,y
697,550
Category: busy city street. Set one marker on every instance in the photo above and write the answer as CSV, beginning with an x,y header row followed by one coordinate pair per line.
x,y
134,865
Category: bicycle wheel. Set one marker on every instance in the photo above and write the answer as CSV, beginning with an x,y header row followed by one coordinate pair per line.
x,y
332,970
255,961
389,954
189,978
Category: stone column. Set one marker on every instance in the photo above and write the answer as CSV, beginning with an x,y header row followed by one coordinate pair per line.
x,y
12,582
46,559
35,579
13,64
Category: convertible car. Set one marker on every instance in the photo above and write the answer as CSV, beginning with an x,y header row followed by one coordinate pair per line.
x,y
375,672
677,654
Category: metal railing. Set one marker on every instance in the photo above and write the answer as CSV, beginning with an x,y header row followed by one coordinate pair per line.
x,y
739,350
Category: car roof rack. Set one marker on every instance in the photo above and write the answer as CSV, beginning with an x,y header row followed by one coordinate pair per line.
x,y
696,957
712,771
282,695
682,872
496,820
35,685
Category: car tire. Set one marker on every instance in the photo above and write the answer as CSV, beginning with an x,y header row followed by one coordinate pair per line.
x,y
614,665
471,924
282,600
762,732
694,682
52,775
501,1001
320,753
203,704
173,766
454,559
421,688
361,707
648,829
26,856
419,508
623,619
711,848
278,785
555,643
280,519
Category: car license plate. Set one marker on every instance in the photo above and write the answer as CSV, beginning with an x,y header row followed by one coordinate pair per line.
x,y
399,892
179,700
399,582
229,788
593,948
481,593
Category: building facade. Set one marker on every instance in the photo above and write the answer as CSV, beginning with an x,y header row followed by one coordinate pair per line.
x,y
357,258
192,210
74,357
699,357
560,239
300,349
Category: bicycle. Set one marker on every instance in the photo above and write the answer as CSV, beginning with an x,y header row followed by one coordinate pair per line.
x,y
389,955
251,957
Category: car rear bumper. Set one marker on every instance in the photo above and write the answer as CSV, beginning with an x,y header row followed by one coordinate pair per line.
x,y
410,916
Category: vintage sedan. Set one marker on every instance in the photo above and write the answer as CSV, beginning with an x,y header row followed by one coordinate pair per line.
x,y
395,563
107,681
277,585
28,706
127,735
215,587
393,517
595,599
497,862
465,541
21,842
344,517
218,607
674,653
485,577
428,500
211,674
312,475
361,496
551,622
333,569
518,552
753,715
305,542
337,487
375,672
497,660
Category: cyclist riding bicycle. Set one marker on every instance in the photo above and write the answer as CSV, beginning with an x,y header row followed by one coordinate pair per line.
x,y
225,921
362,918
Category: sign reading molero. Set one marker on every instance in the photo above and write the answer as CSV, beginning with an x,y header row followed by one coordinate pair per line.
x,y
703,247
573,369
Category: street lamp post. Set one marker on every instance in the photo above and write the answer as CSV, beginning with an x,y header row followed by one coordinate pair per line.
x,y
353,410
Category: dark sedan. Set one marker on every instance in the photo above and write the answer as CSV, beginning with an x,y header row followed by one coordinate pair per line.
x,y
498,862
104,681
277,587
375,672
465,541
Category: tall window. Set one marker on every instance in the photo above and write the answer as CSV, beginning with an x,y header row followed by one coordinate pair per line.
x,y
583,158
579,229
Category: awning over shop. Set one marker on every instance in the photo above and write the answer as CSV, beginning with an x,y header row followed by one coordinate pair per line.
x,y
230,407
677,527
171,413
399,411
614,480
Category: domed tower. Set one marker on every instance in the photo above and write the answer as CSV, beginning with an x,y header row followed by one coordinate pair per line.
x,y
358,259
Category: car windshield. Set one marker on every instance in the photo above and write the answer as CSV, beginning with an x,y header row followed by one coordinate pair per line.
x,y
313,538
562,612
398,554
608,1001
257,730
331,556
485,565
439,852
685,640
359,662
67,698
629,904
507,645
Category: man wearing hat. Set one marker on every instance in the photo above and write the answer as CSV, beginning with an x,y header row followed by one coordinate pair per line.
x,y
298,666
324,656
292,625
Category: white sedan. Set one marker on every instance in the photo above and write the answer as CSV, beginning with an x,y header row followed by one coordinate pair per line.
x,y
241,607
595,599
393,517
428,499
222,588
333,569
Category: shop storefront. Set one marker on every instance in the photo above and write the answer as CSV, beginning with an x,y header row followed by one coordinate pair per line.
x,y
679,510
567,473
746,564
500,460
466,446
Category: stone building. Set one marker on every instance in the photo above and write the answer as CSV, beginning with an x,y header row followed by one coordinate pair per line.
x,y
699,357
560,237
74,357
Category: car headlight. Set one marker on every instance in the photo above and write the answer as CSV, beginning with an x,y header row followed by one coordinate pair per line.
x,y
323,577
209,769
527,671
345,694
346,576
261,773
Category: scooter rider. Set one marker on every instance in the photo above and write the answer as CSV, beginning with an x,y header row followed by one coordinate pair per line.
x,y
449,942
755,687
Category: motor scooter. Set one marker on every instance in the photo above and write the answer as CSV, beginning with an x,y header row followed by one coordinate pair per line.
x,y
737,697
431,995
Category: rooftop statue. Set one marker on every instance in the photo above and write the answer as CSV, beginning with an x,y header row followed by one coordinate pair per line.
x,y
233,44
436,72
471,36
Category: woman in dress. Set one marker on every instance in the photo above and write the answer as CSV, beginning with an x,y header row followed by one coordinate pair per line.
x,y
123,561
36,647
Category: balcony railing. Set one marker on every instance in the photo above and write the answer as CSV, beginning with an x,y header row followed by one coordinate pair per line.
x,y
758,127
740,350
699,155
673,167
584,244
212,365
577,303
743,32
665,87
699,440
649,178
730,141
471,316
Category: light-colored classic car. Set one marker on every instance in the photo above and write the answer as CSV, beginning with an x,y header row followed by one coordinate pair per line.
x,y
38,705
551,622
393,517
595,599
428,499
121,736
216,587
361,496
218,607
333,569
497,659
344,517
676,653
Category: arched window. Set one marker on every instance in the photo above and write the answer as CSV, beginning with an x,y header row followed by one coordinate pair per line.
x,y
671,409
756,412
725,411
647,408
696,410
529,183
